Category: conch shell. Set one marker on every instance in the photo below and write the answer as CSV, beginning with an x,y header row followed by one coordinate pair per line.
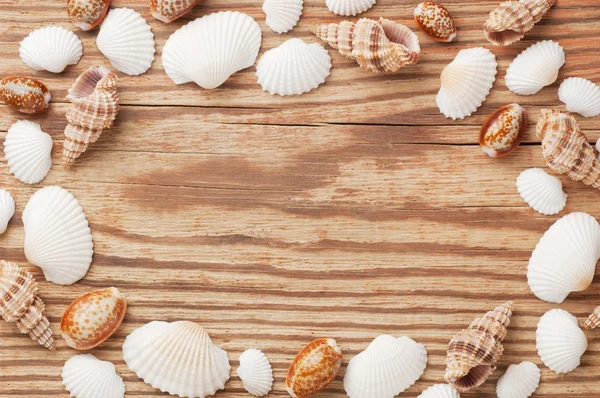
x,y
378,46
94,107
509,22
593,321
473,352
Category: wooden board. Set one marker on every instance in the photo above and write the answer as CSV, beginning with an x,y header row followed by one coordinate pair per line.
x,y
348,212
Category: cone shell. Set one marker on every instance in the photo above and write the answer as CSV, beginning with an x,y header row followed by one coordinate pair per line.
x,y
85,376
519,381
503,130
86,14
440,391
51,48
349,8
170,10
255,372
282,15
28,151
7,209
435,21
580,96
593,320
541,191
24,94
509,22
535,68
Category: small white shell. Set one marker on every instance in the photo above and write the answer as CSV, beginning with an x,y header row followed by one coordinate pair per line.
x,y
349,8
535,68
255,372
440,391
51,48
282,15
85,376
559,340
466,82
519,381
127,41
7,209
580,96
28,151
541,191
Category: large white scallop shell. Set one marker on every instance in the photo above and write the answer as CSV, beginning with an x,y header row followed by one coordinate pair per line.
x,y
519,381
565,258
541,191
255,372
580,96
466,82
535,68
28,151
85,376
7,209
386,368
440,391
51,48
559,340
210,49
282,15
178,358
57,235
349,8
126,40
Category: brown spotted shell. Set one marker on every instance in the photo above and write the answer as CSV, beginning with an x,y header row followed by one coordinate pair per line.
x,y
169,10
503,130
86,14
24,94
435,20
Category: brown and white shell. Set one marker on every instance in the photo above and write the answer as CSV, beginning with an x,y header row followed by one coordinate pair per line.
x,y
435,20
378,46
503,130
87,14
25,94
593,320
169,10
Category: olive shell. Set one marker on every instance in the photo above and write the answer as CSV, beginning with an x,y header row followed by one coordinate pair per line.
x,y
503,130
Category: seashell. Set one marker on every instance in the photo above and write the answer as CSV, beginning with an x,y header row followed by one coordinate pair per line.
x,y
559,340
519,381
378,46
24,94
473,352
28,151
593,319
435,21
349,8
126,40
509,22
85,376
313,368
580,96
503,130
293,68
7,209
440,391
282,15
178,358
210,49
535,68
170,10
255,372
57,235
51,48
94,107
386,368
466,82
87,14
93,318
541,191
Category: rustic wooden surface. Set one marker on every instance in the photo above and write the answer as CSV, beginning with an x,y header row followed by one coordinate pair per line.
x,y
351,211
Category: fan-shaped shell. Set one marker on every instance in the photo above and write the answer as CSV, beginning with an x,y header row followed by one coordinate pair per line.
x,y
503,130
580,96
349,8
170,10
178,358
541,191
51,48
435,21
466,82
440,391
85,376
28,151
86,14
210,49
25,94
7,209
386,368
255,372
535,68
57,235
282,15
519,381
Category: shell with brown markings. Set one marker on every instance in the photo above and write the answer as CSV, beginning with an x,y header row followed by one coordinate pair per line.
x,y
87,14
24,94
503,130
170,10
435,20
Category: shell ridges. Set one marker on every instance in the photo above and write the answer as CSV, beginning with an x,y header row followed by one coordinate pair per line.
x,y
580,96
28,151
535,68
282,15
51,48
541,191
7,209
349,8
85,376
255,372
519,381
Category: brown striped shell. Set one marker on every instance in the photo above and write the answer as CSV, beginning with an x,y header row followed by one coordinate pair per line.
x,y
24,94
435,21
503,130
593,321
169,10
86,14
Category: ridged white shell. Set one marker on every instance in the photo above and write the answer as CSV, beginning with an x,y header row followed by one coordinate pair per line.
x,y
178,358
28,151
565,258
559,340
519,381
386,368
210,49
51,48
580,96
126,40
440,391
282,15
7,209
57,235
255,372
535,68
466,82
85,376
293,68
349,8
541,191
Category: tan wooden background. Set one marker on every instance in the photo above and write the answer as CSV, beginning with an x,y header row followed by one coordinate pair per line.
x,y
351,211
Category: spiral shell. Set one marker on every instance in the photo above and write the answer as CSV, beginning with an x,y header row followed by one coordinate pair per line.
x,y
87,14
593,320
24,94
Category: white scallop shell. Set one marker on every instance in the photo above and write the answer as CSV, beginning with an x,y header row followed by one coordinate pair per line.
x,y
386,368
282,15
580,96
519,381
541,191
126,40
565,258
210,49
535,68
7,209
440,391
559,340
51,48
57,235
85,376
349,8
293,68
466,82
28,151
255,372
178,358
